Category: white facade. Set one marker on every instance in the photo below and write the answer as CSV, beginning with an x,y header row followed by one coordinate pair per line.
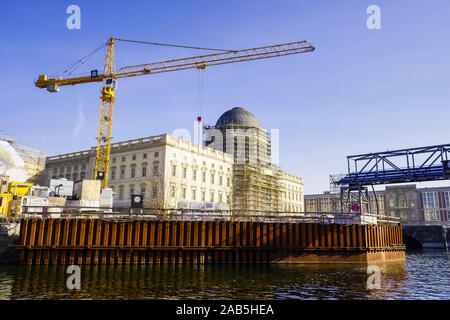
x,y
168,171
292,197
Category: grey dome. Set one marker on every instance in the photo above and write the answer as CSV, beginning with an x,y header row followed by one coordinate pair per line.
x,y
237,117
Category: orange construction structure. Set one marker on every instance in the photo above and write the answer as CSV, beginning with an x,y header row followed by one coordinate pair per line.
x,y
138,241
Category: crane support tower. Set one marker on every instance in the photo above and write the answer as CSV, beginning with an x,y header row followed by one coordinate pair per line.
x,y
110,75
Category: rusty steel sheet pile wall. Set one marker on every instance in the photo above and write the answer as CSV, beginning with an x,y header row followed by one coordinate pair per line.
x,y
101,241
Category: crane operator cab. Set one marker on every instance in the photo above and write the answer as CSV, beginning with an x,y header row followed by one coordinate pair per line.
x,y
109,83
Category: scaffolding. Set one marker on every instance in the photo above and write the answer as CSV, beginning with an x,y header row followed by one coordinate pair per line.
x,y
33,161
257,189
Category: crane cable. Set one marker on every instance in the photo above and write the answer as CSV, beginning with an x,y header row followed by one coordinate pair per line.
x,y
69,69
200,92
200,84
174,45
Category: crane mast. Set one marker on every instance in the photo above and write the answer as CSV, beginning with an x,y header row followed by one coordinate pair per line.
x,y
110,76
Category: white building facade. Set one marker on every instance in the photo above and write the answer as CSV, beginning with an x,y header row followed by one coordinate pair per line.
x,y
169,172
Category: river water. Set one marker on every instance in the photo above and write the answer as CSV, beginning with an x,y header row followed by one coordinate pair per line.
x,y
424,275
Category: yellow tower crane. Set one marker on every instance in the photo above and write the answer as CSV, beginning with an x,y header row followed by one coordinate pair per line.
x,y
110,76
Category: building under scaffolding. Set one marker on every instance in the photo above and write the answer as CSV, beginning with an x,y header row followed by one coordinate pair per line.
x,y
20,163
258,184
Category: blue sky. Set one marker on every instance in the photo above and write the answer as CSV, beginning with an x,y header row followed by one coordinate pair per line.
x,y
361,90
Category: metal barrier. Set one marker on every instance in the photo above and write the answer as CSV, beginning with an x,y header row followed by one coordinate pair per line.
x,y
108,241
205,215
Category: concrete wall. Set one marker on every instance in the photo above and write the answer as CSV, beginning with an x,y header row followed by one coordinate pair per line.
x,y
9,234
428,236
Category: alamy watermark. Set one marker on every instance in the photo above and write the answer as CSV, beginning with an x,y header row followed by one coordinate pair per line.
x,y
374,279
247,145
374,20
74,20
74,280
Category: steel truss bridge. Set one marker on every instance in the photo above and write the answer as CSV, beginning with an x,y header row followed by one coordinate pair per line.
x,y
420,164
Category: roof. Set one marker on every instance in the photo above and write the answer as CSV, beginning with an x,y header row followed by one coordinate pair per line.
x,y
237,117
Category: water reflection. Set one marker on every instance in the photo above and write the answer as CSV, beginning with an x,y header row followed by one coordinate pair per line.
x,y
421,276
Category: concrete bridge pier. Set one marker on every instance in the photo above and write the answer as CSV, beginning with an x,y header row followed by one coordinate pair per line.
x,y
423,237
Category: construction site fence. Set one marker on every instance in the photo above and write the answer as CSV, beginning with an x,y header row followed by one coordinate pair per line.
x,y
200,215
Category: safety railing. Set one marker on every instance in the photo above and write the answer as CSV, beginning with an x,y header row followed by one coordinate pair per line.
x,y
203,215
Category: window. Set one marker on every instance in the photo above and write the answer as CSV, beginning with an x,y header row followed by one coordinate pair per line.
x,y
75,167
83,166
212,178
154,191
184,172
120,192
172,191
75,176
155,169
82,175
144,171
220,197
194,174
122,173
143,191
211,197
55,170
133,157
447,199
123,159
430,200
113,173
156,154
183,193
144,156
174,170
69,168
203,195
194,193
220,179
61,170
68,176
432,215
131,190
133,171
203,176
228,181
113,160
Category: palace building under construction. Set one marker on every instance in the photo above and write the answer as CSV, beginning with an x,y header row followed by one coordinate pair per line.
x,y
232,170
